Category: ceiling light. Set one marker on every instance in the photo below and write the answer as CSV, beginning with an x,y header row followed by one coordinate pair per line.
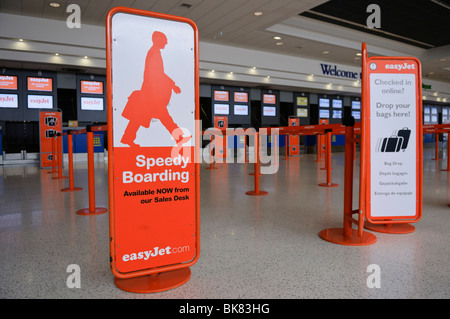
x,y
254,68
279,43
21,40
213,71
56,53
358,54
277,37
258,13
85,57
268,76
54,4
326,52
231,73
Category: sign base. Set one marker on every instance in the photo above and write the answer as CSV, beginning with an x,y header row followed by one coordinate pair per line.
x,y
71,189
390,228
328,185
336,236
154,283
256,193
60,177
96,211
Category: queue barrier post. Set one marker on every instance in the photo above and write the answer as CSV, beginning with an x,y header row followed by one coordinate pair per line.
x,y
53,171
436,156
71,187
328,161
347,235
256,191
319,148
211,156
286,147
59,157
91,210
448,153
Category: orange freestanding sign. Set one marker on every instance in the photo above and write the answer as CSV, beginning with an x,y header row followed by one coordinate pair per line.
x,y
49,124
392,137
152,87
294,140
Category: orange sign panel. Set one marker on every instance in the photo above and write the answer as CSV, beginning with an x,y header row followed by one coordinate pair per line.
x,y
49,125
294,140
152,128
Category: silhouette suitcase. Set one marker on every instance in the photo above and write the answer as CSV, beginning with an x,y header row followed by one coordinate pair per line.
x,y
405,133
392,144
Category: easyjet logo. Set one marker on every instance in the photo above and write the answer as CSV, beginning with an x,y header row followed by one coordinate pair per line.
x,y
7,98
156,251
402,66
6,78
39,101
39,80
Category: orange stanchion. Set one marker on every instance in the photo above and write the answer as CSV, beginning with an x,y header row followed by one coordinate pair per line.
x,y
211,156
71,187
91,210
59,157
256,191
347,235
448,154
319,148
53,171
245,148
286,147
436,156
328,162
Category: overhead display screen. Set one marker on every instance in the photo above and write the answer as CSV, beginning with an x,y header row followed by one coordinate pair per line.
x,y
40,102
91,104
8,82
9,101
324,114
324,102
222,109
269,99
356,105
337,104
91,87
269,111
40,84
241,97
241,110
221,95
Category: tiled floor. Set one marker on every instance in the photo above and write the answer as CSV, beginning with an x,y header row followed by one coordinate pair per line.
x,y
251,247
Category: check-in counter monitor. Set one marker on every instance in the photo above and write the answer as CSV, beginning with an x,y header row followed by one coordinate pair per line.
x,y
270,108
324,108
11,101
356,110
91,98
233,102
337,111
39,92
301,108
